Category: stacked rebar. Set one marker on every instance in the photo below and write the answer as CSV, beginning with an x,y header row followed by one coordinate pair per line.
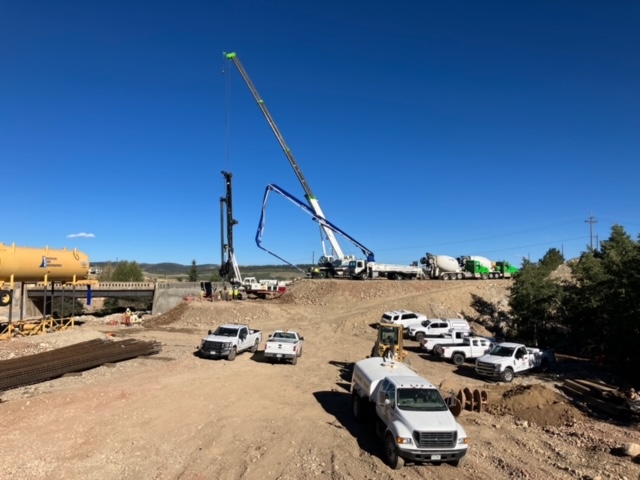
x,y
83,356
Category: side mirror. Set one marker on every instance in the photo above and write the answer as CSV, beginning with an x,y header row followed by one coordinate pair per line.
x,y
210,332
301,338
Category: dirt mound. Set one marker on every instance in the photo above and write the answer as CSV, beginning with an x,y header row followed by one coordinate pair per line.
x,y
168,318
537,405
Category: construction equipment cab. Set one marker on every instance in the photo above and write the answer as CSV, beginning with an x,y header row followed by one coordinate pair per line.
x,y
389,342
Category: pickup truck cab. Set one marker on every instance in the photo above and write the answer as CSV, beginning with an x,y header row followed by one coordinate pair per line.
x,y
436,327
507,359
472,347
228,340
411,417
403,317
284,345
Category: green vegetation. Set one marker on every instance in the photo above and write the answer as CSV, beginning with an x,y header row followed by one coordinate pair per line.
x,y
193,272
596,313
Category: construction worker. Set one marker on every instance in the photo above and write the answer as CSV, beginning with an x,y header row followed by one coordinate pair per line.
x,y
235,293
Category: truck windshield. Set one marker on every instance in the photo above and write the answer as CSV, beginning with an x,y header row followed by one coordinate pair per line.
x,y
421,399
501,351
226,332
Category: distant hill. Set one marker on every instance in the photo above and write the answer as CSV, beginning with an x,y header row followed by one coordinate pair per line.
x,y
206,270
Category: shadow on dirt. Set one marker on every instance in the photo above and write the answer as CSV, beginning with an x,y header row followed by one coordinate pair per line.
x,y
346,372
338,404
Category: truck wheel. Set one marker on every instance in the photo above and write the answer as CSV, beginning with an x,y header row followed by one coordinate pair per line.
x,y
394,460
254,349
507,375
5,298
544,365
459,463
300,352
356,406
419,337
294,360
232,354
457,359
483,276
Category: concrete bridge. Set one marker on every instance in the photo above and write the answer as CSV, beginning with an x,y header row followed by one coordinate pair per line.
x,y
165,295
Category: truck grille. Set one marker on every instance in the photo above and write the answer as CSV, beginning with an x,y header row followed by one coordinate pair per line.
x,y
485,368
212,346
435,439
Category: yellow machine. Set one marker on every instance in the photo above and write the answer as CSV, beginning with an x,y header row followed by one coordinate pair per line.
x,y
25,264
389,342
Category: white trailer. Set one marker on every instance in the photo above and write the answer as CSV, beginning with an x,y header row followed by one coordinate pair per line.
x,y
362,269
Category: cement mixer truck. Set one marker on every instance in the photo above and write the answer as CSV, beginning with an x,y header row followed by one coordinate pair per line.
x,y
444,267
26,264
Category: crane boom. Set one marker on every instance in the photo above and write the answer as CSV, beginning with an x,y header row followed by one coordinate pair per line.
x,y
324,223
311,198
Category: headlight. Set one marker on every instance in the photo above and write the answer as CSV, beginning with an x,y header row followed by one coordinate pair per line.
x,y
497,367
404,440
463,441
229,344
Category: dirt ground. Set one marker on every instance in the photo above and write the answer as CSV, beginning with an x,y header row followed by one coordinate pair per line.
x,y
175,416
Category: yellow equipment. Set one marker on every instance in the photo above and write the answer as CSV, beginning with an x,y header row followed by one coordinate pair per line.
x,y
25,264
389,342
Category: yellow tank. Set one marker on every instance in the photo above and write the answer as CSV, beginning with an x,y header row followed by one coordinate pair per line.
x,y
25,264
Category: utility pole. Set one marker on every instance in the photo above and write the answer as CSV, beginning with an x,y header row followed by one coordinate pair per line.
x,y
591,221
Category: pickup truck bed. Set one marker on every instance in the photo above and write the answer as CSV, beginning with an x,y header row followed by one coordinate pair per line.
x,y
284,346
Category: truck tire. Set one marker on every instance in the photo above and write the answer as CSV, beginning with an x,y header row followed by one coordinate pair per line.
x,y
232,354
294,360
300,352
457,359
459,462
5,298
545,366
356,407
254,349
394,460
419,337
507,375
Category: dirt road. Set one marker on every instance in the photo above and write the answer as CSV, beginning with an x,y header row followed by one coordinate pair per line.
x,y
175,416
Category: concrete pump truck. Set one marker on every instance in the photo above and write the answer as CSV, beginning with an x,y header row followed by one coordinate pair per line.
x,y
334,262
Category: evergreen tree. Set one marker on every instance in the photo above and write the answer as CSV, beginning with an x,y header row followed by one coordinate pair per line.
x,y
193,272
535,302
552,259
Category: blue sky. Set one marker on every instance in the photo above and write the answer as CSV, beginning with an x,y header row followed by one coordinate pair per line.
x,y
455,128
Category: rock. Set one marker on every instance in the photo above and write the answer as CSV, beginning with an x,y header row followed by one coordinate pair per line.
x,y
631,449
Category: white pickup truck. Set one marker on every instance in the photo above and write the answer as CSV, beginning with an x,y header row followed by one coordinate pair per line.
x,y
411,417
453,337
228,340
471,347
435,327
284,345
507,359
